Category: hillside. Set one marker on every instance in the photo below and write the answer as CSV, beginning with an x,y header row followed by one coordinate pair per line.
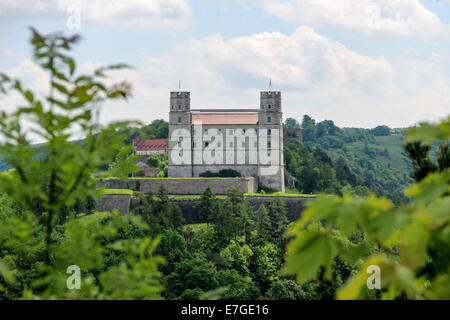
x,y
351,160
381,161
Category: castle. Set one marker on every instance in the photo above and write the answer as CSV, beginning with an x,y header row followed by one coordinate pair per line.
x,y
249,141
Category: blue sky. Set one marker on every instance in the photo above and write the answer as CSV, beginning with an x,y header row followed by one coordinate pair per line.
x,y
358,62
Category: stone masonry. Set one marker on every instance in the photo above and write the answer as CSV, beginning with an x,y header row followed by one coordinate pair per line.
x,y
249,141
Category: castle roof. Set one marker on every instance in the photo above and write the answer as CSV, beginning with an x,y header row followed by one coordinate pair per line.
x,y
225,116
149,145
224,110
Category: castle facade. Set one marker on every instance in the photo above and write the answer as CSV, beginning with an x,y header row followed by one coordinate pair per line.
x,y
249,141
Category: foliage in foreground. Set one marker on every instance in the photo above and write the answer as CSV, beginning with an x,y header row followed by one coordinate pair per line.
x,y
38,240
412,240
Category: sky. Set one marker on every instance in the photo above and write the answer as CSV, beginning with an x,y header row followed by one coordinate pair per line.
x,y
360,63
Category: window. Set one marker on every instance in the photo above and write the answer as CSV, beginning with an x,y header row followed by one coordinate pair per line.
x,y
219,131
231,131
243,130
231,144
206,131
269,132
269,145
269,106
179,143
219,144
269,119
179,107
179,119
206,144
173,107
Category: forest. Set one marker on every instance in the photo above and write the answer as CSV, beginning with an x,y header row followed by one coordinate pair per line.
x,y
237,252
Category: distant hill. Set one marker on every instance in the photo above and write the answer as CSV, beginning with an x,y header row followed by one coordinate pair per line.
x,y
361,159
382,161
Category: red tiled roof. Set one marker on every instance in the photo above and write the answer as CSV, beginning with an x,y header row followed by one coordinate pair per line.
x,y
225,118
150,145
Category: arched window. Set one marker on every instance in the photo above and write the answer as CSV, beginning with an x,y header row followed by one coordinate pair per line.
x,y
269,119
269,106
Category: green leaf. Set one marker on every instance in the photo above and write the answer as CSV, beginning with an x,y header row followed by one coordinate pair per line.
x,y
29,95
60,88
71,64
308,252
413,244
429,133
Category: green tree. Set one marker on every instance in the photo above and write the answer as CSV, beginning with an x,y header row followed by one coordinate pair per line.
x,y
191,274
291,123
265,265
285,290
208,206
381,131
160,213
239,212
308,129
422,164
173,247
154,161
418,153
237,286
237,257
278,219
223,226
262,224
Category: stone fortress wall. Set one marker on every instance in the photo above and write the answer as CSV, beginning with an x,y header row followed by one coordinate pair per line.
x,y
182,186
294,205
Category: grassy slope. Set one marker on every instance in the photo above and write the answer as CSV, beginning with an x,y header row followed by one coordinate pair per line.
x,y
395,167
117,191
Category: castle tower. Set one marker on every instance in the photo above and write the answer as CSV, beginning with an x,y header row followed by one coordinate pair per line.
x,y
271,118
180,127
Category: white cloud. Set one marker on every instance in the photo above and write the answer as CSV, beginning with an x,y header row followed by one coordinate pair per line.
x,y
369,17
172,14
31,77
304,60
317,76
6,52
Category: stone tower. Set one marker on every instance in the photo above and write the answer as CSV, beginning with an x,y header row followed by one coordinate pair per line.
x,y
270,118
180,126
